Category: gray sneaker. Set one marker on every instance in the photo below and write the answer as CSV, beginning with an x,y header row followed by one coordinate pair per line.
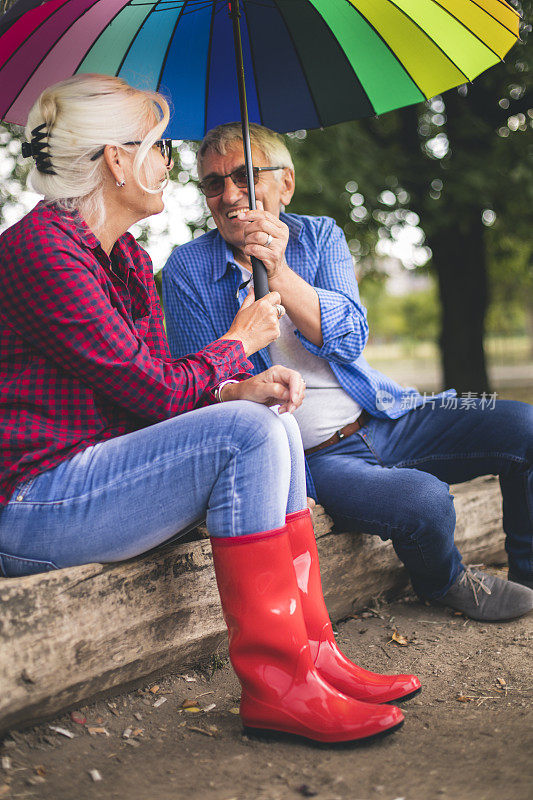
x,y
486,597
522,581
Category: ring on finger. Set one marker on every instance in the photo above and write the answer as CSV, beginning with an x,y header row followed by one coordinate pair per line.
x,y
280,309
269,239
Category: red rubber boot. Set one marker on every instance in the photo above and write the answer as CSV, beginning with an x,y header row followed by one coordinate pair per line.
x,y
281,689
331,663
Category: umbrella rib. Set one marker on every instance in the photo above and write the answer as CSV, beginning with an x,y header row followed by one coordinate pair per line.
x,y
164,59
12,15
171,4
496,18
319,116
134,37
472,32
389,48
109,22
437,45
43,22
199,5
208,64
509,7
34,70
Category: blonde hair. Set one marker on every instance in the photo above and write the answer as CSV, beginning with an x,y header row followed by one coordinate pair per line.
x,y
270,143
80,116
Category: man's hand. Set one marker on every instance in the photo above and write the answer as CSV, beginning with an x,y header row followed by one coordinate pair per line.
x,y
277,385
297,296
260,225
256,324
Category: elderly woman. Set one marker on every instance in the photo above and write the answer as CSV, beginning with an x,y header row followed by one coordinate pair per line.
x,y
109,446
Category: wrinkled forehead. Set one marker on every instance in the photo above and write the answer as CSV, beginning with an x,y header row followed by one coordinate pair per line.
x,y
213,161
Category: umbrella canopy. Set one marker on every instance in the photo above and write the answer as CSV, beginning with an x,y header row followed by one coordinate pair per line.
x,y
307,63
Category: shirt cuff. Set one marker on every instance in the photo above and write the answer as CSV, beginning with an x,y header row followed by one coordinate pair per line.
x,y
337,320
227,357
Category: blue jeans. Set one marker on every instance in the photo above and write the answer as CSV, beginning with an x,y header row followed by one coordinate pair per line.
x,y
238,463
391,479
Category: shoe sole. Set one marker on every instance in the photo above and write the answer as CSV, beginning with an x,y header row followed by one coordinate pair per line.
x,y
283,736
487,619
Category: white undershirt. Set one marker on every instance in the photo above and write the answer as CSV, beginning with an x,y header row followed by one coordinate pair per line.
x,y
326,407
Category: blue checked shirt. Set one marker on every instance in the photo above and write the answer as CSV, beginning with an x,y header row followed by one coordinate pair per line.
x,y
201,296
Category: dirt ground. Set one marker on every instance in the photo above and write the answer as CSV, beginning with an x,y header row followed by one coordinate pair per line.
x,y
468,735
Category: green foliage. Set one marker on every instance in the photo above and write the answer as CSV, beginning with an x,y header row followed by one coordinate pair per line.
x,y
413,317
511,270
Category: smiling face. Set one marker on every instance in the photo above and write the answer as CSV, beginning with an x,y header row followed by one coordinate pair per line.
x,y
273,190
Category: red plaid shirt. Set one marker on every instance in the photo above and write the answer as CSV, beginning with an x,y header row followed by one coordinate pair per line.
x,y
83,352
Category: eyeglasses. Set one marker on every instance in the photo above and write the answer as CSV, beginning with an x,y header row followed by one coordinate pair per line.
x,y
213,185
164,146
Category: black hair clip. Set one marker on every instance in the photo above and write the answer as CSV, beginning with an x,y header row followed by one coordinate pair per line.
x,y
37,150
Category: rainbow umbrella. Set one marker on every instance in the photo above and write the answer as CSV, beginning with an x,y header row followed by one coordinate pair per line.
x,y
305,63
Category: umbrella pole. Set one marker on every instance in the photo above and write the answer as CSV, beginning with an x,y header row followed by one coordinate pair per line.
x,y
258,268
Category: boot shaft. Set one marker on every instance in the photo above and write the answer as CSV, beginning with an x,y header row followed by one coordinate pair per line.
x,y
306,566
262,609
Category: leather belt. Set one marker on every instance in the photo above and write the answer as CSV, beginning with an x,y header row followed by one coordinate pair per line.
x,y
343,433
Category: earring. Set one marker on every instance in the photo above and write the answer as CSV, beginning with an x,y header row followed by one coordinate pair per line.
x,y
120,184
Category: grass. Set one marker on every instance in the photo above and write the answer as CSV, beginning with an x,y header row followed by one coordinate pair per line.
x,y
509,360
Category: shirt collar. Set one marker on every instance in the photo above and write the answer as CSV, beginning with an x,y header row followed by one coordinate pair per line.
x,y
79,230
223,255
122,252
76,226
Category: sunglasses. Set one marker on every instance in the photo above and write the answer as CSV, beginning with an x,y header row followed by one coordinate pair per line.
x,y
213,185
163,145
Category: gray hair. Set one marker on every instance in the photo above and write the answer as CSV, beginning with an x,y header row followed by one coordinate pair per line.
x,y
81,115
269,143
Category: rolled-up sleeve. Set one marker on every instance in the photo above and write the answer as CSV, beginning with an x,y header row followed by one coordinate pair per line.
x,y
343,317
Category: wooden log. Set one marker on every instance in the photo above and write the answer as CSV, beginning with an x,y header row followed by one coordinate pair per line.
x,y
68,635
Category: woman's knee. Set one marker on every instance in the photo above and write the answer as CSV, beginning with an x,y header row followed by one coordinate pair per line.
x,y
255,425
291,429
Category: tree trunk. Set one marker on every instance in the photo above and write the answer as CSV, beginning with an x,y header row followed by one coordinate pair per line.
x,y
460,262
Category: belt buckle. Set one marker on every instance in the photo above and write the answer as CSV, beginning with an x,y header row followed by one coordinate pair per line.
x,y
341,435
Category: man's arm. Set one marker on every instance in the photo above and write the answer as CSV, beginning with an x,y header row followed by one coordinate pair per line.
x,y
343,317
329,317
301,303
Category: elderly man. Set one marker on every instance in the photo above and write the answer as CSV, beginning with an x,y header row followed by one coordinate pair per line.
x,y
380,456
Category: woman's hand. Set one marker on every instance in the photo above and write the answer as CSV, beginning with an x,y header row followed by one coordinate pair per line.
x,y
256,324
277,385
